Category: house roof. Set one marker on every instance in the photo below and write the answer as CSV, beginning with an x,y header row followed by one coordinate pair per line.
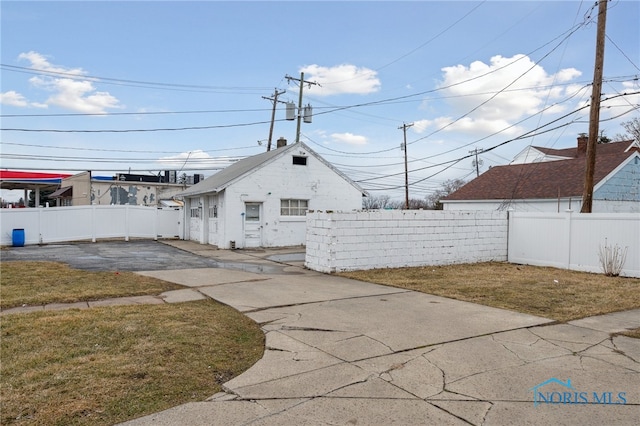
x,y
550,179
228,175
566,152
602,148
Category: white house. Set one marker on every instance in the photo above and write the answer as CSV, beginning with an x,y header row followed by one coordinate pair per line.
x,y
552,180
261,201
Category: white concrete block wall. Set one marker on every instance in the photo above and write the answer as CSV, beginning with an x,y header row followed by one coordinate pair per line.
x,y
339,241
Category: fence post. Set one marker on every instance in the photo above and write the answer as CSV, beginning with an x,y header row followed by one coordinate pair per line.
x,y
126,222
567,233
40,239
510,212
93,223
155,224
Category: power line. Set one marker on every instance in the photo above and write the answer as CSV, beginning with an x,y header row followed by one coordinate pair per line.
x,y
120,81
121,150
96,114
222,126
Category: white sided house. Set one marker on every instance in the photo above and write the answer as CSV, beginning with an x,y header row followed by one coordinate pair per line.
x,y
261,201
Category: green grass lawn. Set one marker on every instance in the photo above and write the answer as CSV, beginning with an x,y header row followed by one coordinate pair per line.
x,y
106,365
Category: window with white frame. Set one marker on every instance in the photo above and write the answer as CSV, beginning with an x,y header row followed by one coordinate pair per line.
x,y
294,207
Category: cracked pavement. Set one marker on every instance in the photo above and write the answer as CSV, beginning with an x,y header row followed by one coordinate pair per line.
x,y
345,352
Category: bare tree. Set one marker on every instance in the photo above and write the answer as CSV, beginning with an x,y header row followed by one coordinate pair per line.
x,y
417,204
633,130
376,202
448,187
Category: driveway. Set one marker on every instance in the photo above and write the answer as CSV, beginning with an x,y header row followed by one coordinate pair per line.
x,y
136,255
341,351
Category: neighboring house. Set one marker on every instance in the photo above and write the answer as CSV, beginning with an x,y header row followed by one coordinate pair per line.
x,y
83,189
261,201
552,180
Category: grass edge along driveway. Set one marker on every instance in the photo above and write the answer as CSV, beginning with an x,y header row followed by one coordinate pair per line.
x,y
103,366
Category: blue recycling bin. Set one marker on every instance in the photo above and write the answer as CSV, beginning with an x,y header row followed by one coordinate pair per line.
x,y
18,237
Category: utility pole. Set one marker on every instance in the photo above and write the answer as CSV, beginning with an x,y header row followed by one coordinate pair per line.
x,y
302,81
594,114
273,113
404,128
477,162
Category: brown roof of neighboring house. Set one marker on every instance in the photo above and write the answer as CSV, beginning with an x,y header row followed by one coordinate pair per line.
x,y
601,148
549,179
566,152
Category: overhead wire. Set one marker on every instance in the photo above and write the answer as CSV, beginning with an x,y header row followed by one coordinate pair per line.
x,y
135,83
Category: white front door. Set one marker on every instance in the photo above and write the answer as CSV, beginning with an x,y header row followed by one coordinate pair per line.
x,y
252,225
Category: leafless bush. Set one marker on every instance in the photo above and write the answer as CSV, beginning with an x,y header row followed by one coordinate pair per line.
x,y
612,259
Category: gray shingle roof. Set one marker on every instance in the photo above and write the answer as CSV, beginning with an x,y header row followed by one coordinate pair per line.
x,y
226,176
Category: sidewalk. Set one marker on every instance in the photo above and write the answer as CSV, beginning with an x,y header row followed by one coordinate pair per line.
x,y
340,351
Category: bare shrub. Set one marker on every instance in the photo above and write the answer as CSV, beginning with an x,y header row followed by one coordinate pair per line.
x,y
612,259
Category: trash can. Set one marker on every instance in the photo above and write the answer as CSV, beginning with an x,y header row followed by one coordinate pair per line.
x,y
18,237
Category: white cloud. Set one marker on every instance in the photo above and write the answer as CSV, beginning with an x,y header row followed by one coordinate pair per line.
x,y
493,96
421,126
527,91
13,98
196,159
71,93
341,79
16,99
349,138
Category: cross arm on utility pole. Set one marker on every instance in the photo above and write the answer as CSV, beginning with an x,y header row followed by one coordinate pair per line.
x,y
302,82
275,101
476,162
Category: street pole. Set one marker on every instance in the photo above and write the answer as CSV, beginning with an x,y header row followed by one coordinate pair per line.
x,y
404,128
477,164
302,81
594,115
299,108
273,113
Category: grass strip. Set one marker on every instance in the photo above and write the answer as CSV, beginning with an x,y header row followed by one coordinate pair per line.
x,y
553,293
38,283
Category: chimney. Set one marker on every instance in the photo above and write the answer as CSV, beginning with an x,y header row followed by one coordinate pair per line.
x,y
281,142
582,143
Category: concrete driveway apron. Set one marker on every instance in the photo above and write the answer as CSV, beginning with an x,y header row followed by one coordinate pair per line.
x,y
341,351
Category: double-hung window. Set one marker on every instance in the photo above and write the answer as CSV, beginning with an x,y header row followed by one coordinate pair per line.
x,y
293,207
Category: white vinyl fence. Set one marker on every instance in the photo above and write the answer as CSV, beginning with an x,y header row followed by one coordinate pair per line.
x,y
59,224
339,242
573,240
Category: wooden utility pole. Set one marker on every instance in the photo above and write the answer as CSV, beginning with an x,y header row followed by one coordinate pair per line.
x,y
302,81
476,162
594,115
273,113
404,128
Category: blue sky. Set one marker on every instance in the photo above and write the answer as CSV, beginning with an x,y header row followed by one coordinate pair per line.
x,y
157,85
